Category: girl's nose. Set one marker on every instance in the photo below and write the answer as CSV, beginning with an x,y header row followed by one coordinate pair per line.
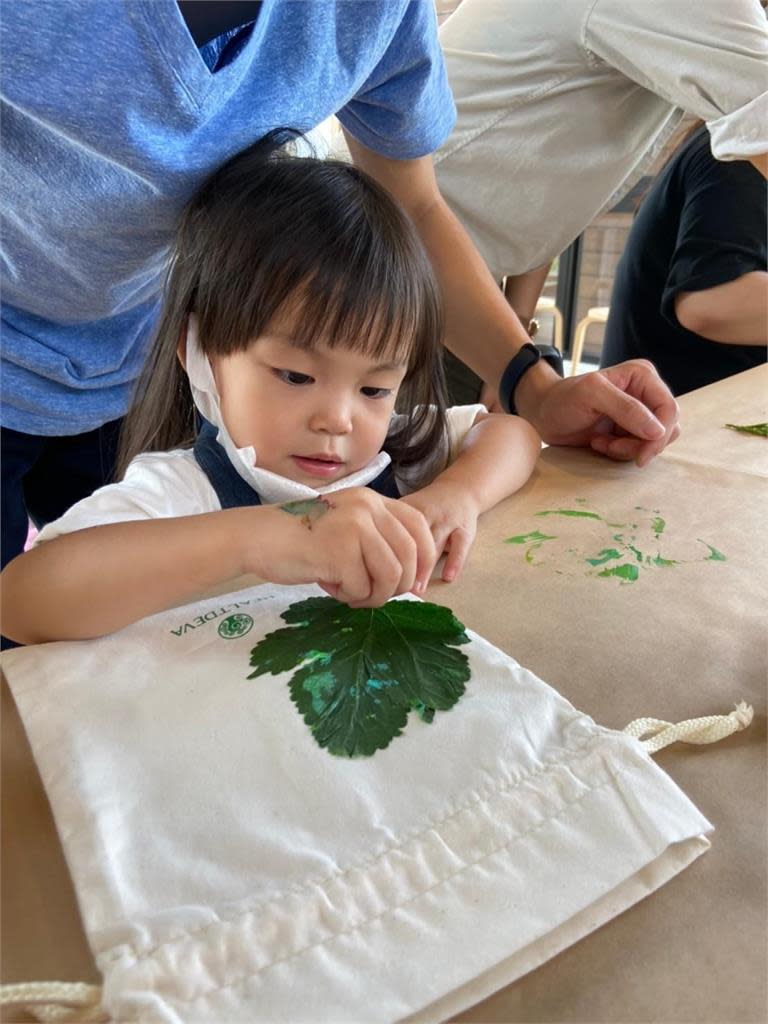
x,y
333,418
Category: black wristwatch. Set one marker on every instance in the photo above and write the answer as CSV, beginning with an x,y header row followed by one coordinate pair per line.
x,y
527,357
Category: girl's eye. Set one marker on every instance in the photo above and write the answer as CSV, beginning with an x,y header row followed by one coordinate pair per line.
x,y
376,392
291,377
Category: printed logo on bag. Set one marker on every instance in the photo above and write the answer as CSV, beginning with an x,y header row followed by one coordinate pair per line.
x,y
235,625
246,622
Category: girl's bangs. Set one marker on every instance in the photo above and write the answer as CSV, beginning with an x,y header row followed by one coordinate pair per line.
x,y
361,316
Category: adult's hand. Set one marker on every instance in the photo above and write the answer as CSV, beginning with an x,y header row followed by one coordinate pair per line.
x,y
625,412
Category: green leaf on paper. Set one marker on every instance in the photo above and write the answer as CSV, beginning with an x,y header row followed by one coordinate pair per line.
x,y
759,429
360,671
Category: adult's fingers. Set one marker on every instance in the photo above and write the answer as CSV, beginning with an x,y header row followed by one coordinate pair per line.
x,y
639,380
623,448
624,410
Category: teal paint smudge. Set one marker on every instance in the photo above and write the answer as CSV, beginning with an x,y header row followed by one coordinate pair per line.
x,y
657,526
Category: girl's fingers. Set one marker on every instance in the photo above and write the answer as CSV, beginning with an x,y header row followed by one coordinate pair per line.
x,y
459,544
356,584
403,546
418,528
383,568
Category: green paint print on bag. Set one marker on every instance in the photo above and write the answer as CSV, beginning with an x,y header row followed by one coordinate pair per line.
x,y
626,549
359,672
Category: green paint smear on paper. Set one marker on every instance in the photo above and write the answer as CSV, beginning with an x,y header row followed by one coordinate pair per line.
x,y
625,548
606,555
714,555
627,572
523,538
570,512
662,563
355,691
758,429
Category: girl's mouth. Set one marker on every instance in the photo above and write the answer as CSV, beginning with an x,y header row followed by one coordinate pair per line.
x,y
317,466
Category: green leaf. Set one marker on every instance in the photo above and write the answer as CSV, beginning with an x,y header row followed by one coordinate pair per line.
x,y
759,429
360,671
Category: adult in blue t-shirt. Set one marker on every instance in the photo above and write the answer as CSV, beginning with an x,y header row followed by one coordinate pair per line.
x,y
115,111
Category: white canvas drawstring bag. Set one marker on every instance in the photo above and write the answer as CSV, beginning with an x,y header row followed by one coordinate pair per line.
x,y
230,869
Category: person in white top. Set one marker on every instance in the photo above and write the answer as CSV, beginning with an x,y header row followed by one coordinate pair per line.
x,y
300,306
562,105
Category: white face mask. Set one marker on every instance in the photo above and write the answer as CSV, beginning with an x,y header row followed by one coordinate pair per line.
x,y
271,487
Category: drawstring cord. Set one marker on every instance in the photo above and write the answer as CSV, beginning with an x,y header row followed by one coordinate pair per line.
x,y
56,1001
655,734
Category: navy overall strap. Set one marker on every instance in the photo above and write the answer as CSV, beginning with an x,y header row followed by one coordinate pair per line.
x,y
233,492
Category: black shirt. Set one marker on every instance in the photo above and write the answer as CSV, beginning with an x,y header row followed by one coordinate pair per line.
x,y
703,223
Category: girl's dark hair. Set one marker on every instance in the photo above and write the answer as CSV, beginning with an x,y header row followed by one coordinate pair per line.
x,y
270,231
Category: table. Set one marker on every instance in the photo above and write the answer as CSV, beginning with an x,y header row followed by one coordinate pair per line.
x,y
680,641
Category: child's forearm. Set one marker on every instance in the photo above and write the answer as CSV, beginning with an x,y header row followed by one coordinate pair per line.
x,y
496,458
98,580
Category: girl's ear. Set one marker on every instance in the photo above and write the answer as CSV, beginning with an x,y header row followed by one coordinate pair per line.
x,y
181,348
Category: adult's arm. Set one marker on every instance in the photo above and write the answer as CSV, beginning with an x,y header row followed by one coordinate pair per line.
x,y
735,313
707,58
761,163
523,291
717,285
624,412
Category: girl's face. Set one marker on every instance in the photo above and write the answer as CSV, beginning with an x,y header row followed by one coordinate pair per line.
x,y
311,415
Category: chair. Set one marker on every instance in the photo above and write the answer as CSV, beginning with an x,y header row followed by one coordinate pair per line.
x,y
547,307
595,315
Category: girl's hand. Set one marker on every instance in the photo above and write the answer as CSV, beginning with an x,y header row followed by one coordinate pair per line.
x,y
360,547
451,514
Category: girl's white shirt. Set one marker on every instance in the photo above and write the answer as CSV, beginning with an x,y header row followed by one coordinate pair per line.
x,y
159,485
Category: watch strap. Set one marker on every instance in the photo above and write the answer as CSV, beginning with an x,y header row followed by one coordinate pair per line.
x,y
526,357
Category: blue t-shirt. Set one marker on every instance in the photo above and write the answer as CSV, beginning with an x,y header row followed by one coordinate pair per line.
x,y
112,118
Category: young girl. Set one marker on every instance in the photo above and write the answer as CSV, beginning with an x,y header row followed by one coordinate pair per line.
x,y
300,308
